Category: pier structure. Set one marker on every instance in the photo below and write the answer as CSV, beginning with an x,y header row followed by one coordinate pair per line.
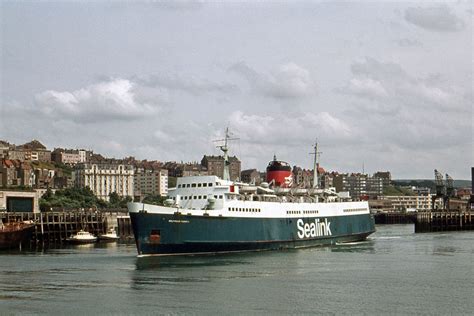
x,y
394,218
431,221
52,227
444,221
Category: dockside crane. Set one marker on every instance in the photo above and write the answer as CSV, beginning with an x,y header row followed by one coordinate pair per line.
x,y
449,191
440,189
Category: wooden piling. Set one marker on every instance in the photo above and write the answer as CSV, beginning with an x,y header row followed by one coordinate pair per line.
x,y
443,221
394,218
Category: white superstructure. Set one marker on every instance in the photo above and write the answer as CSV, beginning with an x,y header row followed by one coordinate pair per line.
x,y
211,196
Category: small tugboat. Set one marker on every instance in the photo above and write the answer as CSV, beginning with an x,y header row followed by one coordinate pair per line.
x,y
13,234
82,237
110,236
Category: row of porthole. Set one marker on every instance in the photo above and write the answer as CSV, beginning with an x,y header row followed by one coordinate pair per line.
x,y
199,197
354,210
244,209
194,185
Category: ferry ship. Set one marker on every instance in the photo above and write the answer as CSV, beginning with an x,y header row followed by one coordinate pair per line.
x,y
208,215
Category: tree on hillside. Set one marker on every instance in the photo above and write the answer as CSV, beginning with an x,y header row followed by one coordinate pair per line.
x,y
71,198
115,201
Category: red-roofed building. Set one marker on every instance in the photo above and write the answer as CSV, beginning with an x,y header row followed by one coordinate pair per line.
x,y
8,173
16,173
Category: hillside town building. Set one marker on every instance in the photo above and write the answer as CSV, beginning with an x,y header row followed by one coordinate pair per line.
x,y
250,176
215,166
386,177
106,177
70,156
16,173
150,179
35,151
177,170
406,202
304,177
359,186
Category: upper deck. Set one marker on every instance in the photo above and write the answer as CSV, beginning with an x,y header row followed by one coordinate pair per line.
x,y
199,192
211,192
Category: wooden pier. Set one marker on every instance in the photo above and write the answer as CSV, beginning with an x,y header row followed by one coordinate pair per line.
x,y
52,227
394,218
444,221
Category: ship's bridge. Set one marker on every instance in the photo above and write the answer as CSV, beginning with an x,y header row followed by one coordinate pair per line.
x,y
200,192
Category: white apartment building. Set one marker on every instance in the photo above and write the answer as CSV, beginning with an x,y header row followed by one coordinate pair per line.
x,y
106,177
404,202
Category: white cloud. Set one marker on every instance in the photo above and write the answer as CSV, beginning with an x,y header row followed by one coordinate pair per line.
x,y
288,81
190,84
367,87
163,137
439,19
104,101
406,42
285,130
290,137
176,4
387,84
417,113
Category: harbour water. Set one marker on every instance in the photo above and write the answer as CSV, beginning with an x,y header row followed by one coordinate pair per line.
x,y
394,272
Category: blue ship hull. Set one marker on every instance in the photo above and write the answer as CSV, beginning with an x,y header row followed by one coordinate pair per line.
x,y
174,234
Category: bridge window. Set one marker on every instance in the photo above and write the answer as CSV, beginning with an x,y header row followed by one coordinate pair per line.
x,y
210,184
193,185
199,185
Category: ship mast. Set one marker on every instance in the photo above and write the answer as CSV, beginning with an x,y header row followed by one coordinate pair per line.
x,y
316,154
225,150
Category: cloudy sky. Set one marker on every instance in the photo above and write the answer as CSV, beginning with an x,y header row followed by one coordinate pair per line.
x,y
384,85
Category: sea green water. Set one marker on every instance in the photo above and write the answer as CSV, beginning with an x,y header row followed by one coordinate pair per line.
x,y
395,272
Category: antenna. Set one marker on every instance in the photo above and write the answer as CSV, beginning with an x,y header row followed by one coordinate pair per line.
x,y
316,154
225,149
